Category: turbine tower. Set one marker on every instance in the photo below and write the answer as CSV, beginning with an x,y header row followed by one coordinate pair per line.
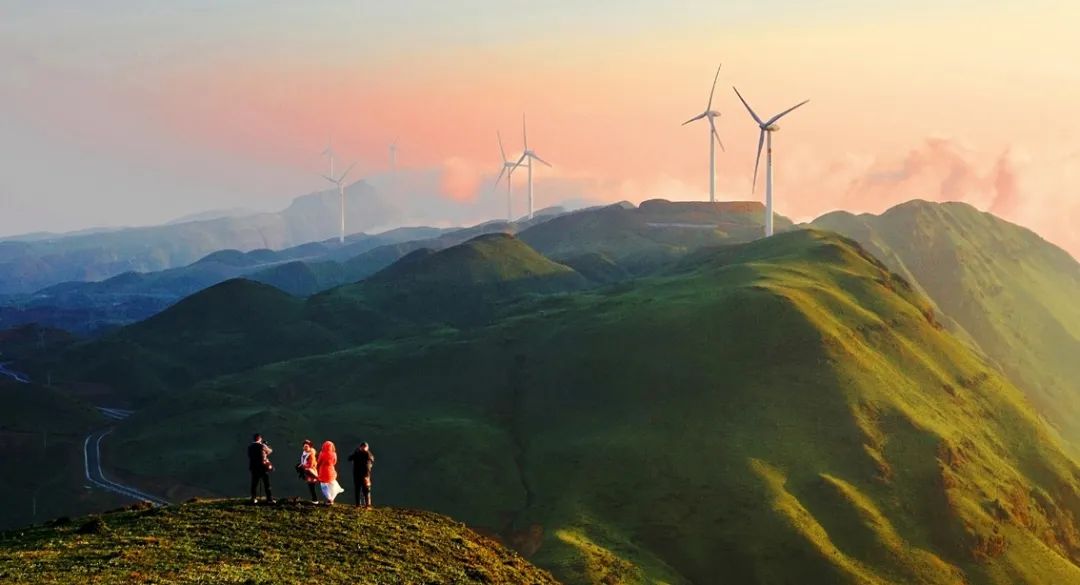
x,y
393,156
508,170
340,182
714,138
328,152
767,128
530,156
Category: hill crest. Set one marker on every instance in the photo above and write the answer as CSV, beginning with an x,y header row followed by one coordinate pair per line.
x,y
236,542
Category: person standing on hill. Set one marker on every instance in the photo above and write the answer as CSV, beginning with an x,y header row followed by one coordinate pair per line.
x,y
328,472
308,469
362,462
259,465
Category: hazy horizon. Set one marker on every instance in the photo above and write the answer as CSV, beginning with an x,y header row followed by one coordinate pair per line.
x,y
134,115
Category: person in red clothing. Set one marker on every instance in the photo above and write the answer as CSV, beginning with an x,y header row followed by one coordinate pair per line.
x,y
328,472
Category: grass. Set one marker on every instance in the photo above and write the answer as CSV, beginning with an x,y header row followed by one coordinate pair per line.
x,y
1000,285
228,541
781,411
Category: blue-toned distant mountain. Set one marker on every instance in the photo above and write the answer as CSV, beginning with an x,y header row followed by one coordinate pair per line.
x,y
32,263
91,307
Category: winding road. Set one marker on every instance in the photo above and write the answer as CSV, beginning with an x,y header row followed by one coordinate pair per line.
x,y
17,376
92,461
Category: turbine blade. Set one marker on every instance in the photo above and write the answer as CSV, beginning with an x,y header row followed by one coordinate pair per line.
x,y
524,134
757,161
501,149
346,172
716,136
499,178
713,90
521,160
748,108
540,160
786,112
696,118
329,179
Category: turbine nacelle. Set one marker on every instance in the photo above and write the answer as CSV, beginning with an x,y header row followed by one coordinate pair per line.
x,y
771,128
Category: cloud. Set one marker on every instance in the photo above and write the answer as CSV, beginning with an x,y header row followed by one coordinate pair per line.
x,y
1037,191
460,179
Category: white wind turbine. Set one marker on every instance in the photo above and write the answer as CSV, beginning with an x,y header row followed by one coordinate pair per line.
x,y
531,156
714,138
507,169
340,182
767,128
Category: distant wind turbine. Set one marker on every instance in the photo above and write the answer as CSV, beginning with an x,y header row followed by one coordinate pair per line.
x,y
714,138
393,155
340,182
767,128
328,152
507,169
530,156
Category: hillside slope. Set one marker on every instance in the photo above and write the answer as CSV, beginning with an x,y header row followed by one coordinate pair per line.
x,y
41,455
229,542
240,324
777,412
1014,293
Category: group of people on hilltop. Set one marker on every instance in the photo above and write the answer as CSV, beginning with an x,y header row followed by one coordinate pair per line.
x,y
318,469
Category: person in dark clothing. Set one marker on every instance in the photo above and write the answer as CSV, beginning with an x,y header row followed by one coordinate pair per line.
x,y
259,465
362,462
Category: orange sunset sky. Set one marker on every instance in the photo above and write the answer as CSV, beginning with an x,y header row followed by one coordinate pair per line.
x,y
126,114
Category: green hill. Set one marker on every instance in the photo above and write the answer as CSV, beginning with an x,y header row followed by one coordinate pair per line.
x,y
1012,292
461,286
645,237
229,327
784,411
487,259
241,324
230,542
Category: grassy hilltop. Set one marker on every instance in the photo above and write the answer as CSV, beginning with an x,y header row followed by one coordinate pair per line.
x,y
230,542
782,411
1003,286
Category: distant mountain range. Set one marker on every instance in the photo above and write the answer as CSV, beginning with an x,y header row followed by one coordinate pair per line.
x,y
606,243
28,264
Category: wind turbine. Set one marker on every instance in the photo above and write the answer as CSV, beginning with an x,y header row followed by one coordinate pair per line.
x,y
508,170
329,153
340,182
767,128
393,155
709,114
530,156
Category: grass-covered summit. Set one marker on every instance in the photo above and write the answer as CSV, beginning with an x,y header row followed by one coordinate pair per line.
x,y
232,542
497,258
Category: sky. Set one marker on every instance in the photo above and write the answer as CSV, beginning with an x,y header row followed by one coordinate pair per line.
x,y
123,112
